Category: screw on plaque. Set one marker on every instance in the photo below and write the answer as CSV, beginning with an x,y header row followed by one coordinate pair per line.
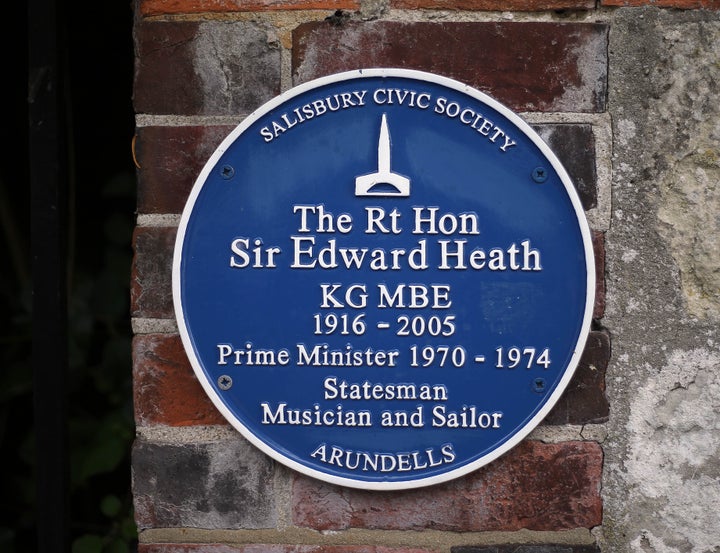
x,y
224,382
539,385
227,172
539,174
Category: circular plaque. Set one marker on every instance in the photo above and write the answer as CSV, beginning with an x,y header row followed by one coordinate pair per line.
x,y
383,279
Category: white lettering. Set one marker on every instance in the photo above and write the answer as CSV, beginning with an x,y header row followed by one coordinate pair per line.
x,y
261,257
467,417
523,258
251,356
418,297
428,222
401,461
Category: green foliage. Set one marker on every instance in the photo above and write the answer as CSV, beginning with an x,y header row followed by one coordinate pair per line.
x,y
99,386
88,544
100,425
94,127
119,538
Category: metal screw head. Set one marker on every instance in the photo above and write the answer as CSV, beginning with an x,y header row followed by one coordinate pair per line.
x,y
227,172
539,174
224,382
538,385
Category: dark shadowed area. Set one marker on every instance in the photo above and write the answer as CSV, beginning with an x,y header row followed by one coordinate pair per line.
x,y
93,82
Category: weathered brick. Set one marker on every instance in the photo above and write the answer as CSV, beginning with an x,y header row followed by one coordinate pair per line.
x,y
513,62
535,486
170,160
226,484
495,5
175,7
678,4
598,240
186,548
527,548
584,400
208,68
273,548
574,146
166,390
151,282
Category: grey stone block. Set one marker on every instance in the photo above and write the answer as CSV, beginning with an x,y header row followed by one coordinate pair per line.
x,y
208,485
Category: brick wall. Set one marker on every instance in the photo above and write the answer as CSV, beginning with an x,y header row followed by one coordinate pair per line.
x,y
201,66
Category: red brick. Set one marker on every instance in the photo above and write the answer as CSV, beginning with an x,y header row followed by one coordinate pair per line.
x,y
598,240
204,68
584,400
174,7
679,4
170,160
166,390
535,486
495,5
151,282
529,66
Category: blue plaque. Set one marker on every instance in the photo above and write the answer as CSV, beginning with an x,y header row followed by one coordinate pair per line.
x,y
384,279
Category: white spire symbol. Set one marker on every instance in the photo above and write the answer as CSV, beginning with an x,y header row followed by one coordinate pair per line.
x,y
365,183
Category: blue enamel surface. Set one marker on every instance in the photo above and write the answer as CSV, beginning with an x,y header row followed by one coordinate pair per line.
x,y
452,167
